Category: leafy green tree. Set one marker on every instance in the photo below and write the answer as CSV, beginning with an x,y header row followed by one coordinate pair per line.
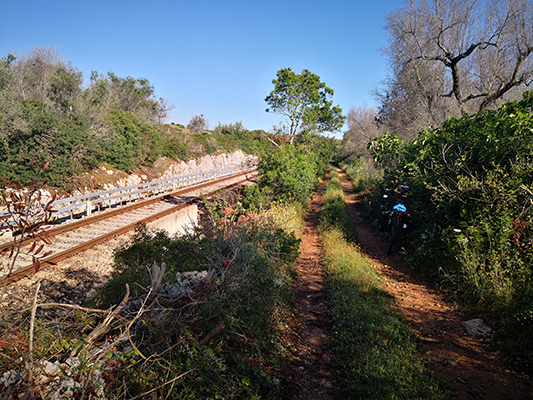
x,y
305,101
386,149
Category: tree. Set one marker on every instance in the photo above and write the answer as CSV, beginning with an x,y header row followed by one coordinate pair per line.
x,y
454,57
64,87
362,129
409,103
11,111
305,101
135,95
198,123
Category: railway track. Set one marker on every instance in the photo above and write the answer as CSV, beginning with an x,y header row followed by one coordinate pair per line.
x,y
80,235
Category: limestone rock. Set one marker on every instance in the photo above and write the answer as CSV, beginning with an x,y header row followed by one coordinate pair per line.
x,y
476,326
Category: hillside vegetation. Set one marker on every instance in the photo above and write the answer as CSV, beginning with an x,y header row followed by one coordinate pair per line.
x,y
215,337
46,113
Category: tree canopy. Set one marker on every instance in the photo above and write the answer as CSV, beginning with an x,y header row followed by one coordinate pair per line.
x,y
305,101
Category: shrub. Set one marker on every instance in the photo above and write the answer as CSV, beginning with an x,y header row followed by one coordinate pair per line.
x,y
290,172
198,123
175,149
65,143
135,143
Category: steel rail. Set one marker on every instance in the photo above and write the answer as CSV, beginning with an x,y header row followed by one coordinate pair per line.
x,y
54,259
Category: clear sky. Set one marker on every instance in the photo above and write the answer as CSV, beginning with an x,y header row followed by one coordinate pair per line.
x,y
211,57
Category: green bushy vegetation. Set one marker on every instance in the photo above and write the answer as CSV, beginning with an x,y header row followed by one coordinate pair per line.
x,y
376,350
293,172
46,112
363,173
247,240
50,137
471,181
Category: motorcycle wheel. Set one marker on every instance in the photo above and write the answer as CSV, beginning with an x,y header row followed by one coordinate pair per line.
x,y
393,234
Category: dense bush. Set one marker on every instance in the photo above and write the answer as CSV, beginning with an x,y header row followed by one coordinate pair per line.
x,y
472,182
290,173
133,143
294,171
65,143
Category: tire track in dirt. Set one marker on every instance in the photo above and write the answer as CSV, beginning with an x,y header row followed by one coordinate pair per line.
x,y
310,375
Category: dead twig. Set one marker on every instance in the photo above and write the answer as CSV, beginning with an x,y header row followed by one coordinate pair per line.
x,y
103,326
157,274
211,335
32,326
128,327
164,384
75,307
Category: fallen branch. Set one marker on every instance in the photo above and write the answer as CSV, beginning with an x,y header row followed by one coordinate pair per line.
x,y
214,332
74,306
128,327
103,326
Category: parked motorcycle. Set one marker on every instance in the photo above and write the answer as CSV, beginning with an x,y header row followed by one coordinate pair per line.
x,y
396,220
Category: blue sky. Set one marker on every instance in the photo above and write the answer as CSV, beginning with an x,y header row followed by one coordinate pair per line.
x,y
216,58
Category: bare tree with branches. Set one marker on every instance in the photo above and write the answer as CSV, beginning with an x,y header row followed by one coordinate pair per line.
x,y
454,57
362,128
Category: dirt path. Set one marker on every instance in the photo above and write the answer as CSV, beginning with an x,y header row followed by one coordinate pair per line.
x,y
310,376
463,362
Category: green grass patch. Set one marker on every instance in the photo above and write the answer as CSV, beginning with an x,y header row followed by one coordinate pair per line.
x,y
375,349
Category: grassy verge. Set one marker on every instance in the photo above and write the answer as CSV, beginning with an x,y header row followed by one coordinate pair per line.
x,y
376,350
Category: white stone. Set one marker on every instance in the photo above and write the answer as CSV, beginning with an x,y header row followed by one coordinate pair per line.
x,y
51,368
477,327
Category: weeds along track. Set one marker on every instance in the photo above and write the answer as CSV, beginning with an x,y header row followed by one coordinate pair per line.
x,y
77,236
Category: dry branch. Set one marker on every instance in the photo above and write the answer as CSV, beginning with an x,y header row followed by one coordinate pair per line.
x,y
211,335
